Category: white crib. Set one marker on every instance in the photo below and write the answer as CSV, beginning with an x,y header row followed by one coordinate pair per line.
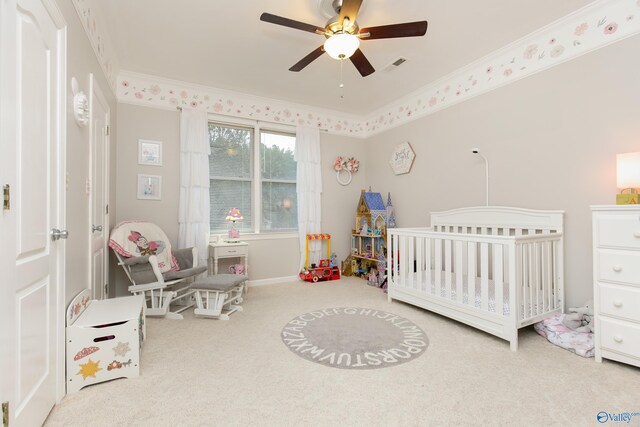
x,y
497,269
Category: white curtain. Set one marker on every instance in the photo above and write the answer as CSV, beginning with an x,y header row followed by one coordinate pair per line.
x,y
309,189
193,214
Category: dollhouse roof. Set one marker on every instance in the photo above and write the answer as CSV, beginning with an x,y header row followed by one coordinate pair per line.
x,y
374,201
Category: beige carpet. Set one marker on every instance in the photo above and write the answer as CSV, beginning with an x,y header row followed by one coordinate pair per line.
x,y
207,372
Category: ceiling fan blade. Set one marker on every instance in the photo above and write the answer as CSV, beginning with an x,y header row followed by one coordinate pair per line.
x,y
362,63
350,10
286,22
308,59
408,29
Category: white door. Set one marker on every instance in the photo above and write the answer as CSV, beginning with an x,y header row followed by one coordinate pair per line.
x,y
32,51
99,192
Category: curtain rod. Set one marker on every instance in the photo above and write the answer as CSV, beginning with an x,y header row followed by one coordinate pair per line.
x,y
266,121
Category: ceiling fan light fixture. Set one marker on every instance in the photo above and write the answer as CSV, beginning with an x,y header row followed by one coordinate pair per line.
x,y
341,45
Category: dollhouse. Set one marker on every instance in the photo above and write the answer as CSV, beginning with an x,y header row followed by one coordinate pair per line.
x,y
368,238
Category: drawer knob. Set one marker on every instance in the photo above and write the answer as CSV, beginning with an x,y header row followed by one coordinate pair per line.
x,y
617,304
618,339
617,268
637,234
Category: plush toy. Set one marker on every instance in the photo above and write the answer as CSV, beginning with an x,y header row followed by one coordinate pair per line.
x,y
237,269
579,319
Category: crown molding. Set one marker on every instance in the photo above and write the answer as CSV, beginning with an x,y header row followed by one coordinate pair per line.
x,y
597,25
99,38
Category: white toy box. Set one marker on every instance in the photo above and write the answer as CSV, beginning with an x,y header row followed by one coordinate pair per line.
x,y
104,339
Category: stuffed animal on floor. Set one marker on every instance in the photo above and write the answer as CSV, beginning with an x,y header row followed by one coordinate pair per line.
x,y
579,319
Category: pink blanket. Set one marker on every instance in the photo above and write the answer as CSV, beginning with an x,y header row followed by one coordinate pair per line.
x,y
580,343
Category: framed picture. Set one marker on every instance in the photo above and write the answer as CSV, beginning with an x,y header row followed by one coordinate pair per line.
x,y
149,152
149,187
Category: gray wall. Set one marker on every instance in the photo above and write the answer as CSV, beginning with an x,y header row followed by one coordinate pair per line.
x,y
81,61
268,258
551,140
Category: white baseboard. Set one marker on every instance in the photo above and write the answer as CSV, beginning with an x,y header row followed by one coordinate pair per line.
x,y
272,281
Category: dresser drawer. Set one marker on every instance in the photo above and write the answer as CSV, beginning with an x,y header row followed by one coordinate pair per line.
x,y
230,251
619,266
620,336
621,301
620,230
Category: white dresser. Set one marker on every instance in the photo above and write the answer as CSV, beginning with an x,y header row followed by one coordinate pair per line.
x,y
616,277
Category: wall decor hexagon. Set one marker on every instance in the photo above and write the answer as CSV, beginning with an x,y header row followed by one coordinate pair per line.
x,y
402,158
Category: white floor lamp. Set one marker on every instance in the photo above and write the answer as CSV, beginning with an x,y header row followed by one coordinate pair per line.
x,y
486,163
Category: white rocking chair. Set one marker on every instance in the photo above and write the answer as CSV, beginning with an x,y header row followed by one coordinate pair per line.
x,y
162,275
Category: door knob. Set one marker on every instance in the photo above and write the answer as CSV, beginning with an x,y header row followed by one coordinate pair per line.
x,y
95,228
58,234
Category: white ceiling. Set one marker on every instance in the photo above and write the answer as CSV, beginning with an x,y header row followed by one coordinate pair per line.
x,y
223,44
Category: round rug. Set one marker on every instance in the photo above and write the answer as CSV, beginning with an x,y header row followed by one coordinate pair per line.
x,y
354,338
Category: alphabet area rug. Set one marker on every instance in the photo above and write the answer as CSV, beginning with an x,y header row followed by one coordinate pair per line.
x,y
354,338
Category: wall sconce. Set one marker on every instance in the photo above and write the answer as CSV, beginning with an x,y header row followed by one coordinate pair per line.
x,y
486,170
80,104
628,168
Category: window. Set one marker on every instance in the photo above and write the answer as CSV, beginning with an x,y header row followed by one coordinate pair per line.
x,y
260,181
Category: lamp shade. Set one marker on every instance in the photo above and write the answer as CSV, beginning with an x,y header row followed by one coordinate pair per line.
x,y
341,45
628,170
234,215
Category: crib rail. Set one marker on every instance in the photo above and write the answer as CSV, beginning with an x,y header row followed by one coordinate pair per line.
x,y
514,274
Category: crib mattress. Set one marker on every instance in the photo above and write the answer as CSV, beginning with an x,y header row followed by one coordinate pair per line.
x,y
532,306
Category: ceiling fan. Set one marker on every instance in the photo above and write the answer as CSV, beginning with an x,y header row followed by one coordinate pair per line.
x,y
343,35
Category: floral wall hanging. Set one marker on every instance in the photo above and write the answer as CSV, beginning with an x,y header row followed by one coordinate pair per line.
x,y
345,168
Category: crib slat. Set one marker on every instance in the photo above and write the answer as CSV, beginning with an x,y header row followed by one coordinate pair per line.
x,y
459,269
471,273
427,258
498,277
394,260
404,267
419,262
484,276
411,262
525,272
529,308
447,267
555,272
549,275
538,282
438,265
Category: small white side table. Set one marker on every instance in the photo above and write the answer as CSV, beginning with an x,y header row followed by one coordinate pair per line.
x,y
220,250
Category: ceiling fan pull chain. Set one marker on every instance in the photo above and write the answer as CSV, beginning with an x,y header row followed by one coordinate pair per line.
x,y
341,80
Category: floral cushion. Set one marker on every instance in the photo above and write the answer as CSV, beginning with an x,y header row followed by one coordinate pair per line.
x,y
580,343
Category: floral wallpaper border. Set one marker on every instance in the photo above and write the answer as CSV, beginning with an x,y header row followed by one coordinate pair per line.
x,y
595,26
165,93
592,27
99,38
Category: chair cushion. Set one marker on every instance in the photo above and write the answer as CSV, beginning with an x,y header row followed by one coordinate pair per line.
x,y
184,258
181,274
219,282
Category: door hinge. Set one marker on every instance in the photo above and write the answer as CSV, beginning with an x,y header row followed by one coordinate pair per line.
x,y
6,204
107,130
106,209
5,414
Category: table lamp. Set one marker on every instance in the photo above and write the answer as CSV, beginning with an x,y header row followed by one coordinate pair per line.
x,y
628,166
233,216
